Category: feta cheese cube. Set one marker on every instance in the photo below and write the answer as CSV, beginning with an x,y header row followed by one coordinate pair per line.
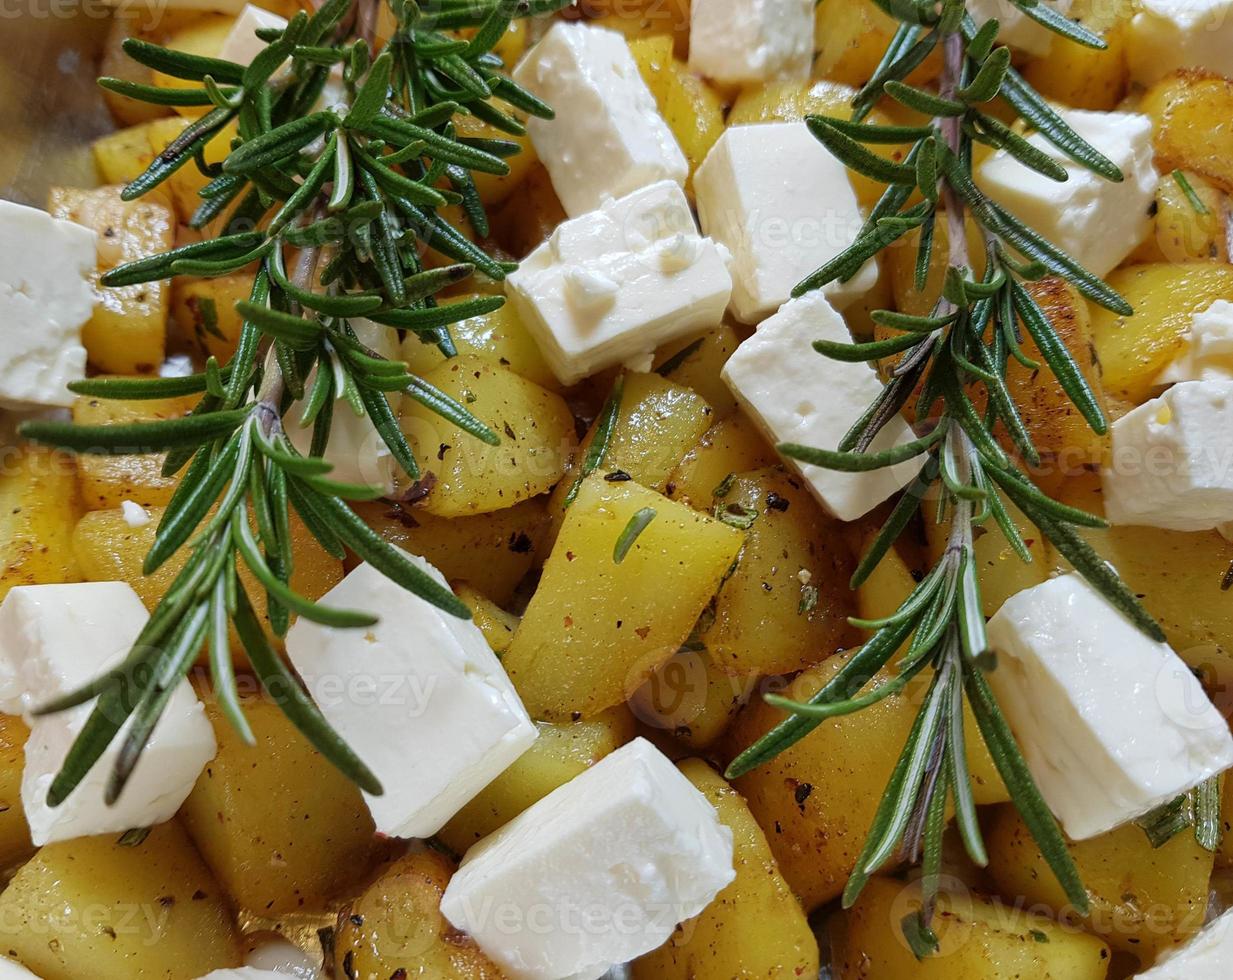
x,y
1208,354
12,970
1111,723
1166,35
1206,956
783,205
355,450
795,394
54,639
1170,464
420,697
608,137
737,42
241,44
1015,28
46,296
1096,221
613,285
599,871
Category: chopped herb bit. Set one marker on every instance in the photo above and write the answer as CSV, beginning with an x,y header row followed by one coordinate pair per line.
x,y
724,487
1184,183
637,524
809,600
679,358
134,837
604,426
736,515
617,476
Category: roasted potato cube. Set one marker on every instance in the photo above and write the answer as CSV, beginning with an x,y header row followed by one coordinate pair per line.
x,y
643,19
204,36
559,754
1143,899
1083,77
492,552
107,481
107,549
692,109
1133,350
979,939
755,927
596,627
500,338
14,833
39,504
1190,112
786,604
528,217
93,907
696,363
281,828
395,928
468,476
116,63
123,155
732,445
852,36
690,698
1182,233
495,623
204,310
128,331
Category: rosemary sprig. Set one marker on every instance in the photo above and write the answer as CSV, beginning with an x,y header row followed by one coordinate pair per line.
x,y
347,195
974,329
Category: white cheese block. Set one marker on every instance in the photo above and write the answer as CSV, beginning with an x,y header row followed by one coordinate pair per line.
x,y
1208,354
608,137
1170,466
420,697
46,297
795,394
1098,222
355,450
783,205
611,286
1111,723
1166,35
241,44
1207,956
12,970
1015,28
54,639
737,42
598,872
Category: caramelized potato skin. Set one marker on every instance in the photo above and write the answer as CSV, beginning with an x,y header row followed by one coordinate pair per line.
x,y
1190,112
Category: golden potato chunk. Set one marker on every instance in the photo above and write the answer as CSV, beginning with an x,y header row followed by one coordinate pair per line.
x,y
1190,112
1143,899
559,754
852,36
979,939
696,363
469,476
107,481
755,927
1083,77
281,828
127,332
492,552
732,445
495,623
528,217
786,604
204,311
602,619
690,698
1180,231
395,928
14,834
93,907
39,504
1133,350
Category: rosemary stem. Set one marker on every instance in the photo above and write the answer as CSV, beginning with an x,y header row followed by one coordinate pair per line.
x,y
270,395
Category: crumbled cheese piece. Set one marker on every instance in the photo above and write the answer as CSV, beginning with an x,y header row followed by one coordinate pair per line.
x,y
611,286
737,42
783,205
46,296
134,514
598,872
278,957
355,449
1169,465
420,697
1166,35
795,394
1207,956
1015,28
1112,723
242,45
608,137
54,639
1096,221
1208,354
12,970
